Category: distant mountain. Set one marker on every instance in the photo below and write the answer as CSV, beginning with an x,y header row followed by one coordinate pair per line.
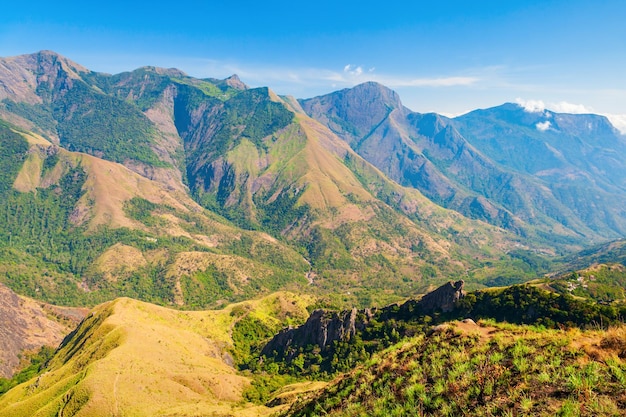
x,y
580,158
474,165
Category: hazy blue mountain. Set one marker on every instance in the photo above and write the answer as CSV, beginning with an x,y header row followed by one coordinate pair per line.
x,y
580,158
493,165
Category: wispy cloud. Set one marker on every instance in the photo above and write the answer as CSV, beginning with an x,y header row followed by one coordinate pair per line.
x,y
352,70
348,76
571,108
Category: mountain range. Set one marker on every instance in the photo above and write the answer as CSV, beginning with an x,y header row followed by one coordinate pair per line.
x,y
350,190
130,193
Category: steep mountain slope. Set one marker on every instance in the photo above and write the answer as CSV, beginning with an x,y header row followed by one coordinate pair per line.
x,y
134,358
56,97
79,230
264,164
430,152
27,325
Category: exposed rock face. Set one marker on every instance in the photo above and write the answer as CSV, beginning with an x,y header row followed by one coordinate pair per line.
x,y
443,298
325,327
321,329
27,325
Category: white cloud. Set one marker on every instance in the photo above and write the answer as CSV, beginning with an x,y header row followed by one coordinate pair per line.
x,y
353,70
619,121
531,106
543,126
571,108
535,106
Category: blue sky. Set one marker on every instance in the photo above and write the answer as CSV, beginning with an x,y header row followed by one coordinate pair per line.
x,y
448,57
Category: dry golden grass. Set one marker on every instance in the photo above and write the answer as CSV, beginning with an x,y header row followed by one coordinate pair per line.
x,y
328,180
109,185
118,261
28,178
615,340
138,359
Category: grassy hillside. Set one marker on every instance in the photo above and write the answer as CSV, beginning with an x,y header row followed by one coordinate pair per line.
x,y
487,369
134,358
377,329
600,282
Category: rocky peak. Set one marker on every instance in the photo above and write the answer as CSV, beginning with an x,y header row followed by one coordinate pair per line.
x,y
23,78
51,63
170,72
361,109
234,82
443,298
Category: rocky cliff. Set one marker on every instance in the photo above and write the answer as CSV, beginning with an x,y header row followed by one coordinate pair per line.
x,y
323,328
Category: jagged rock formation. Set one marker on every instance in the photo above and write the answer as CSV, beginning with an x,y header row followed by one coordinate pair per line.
x,y
443,298
321,329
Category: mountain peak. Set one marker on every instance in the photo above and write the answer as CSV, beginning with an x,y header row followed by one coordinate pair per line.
x,y
373,91
170,72
45,58
235,82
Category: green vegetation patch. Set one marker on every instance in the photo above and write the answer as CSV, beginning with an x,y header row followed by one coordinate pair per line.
x,y
104,126
379,329
37,361
13,149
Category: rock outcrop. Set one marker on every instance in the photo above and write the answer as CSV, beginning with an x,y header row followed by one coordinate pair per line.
x,y
443,298
321,329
